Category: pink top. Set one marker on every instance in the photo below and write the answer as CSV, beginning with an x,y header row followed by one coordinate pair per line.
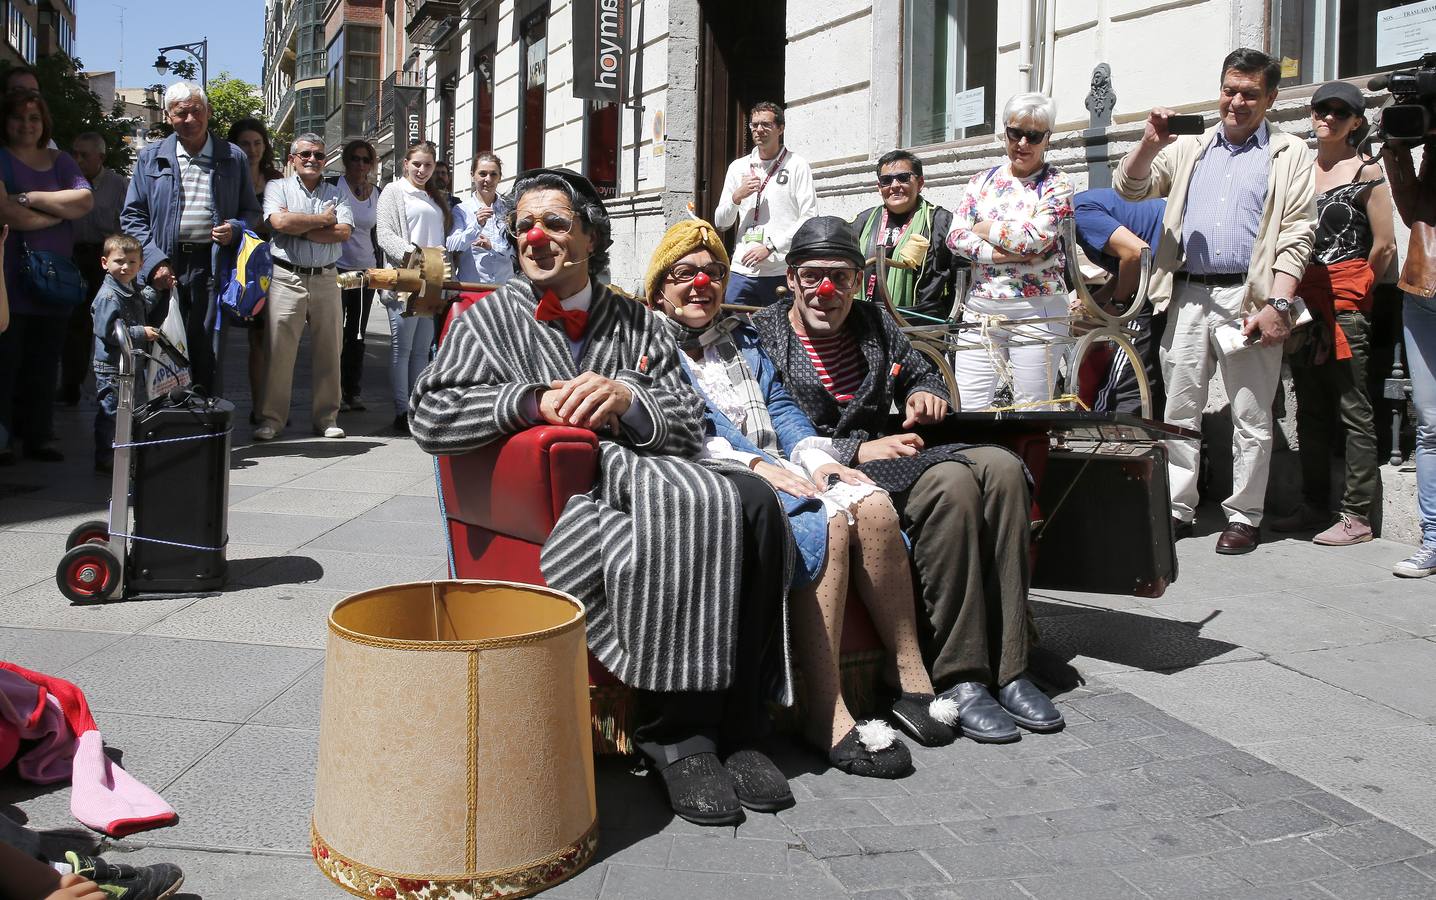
x,y
1027,213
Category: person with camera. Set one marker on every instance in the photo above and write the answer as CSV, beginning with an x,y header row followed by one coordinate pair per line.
x,y
1414,195
1355,241
1237,235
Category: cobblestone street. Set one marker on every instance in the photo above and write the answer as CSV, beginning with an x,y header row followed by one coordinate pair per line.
x,y
1265,729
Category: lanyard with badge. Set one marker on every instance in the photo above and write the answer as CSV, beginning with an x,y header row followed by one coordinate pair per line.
x,y
754,235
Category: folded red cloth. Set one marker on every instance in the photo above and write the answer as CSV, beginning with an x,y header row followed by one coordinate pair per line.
x,y
1325,289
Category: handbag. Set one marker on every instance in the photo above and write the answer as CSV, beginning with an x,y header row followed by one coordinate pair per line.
x,y
45,276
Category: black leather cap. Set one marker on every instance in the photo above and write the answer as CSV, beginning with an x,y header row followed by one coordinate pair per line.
x,y
825,237
581,185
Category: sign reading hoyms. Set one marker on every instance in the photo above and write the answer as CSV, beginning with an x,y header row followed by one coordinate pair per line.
x,y
600,49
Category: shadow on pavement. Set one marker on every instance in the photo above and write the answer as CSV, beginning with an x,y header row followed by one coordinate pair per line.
x,y
1125,638
243,457
262,571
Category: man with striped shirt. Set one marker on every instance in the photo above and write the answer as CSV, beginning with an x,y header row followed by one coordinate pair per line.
x,y
847,365
189,198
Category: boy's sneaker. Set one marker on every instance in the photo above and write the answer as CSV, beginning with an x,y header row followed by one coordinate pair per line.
x,y
1417,565
1349,529
265,433
123,882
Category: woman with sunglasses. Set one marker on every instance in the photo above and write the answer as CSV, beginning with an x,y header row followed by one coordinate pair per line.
x,y
412,214
252,137
1355,242
357,186
1008,224
839,519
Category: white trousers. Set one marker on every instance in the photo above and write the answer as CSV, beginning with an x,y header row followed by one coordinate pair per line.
x,y
1190,353
1031,360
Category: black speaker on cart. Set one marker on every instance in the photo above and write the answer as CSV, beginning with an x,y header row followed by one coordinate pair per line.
x,y
180,495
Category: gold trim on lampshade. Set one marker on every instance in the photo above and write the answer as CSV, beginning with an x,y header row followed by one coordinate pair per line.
x,y
454,744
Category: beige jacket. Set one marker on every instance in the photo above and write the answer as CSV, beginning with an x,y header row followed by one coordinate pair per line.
x,y
1288,222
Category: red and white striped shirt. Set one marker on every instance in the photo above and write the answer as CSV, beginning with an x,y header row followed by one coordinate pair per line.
x,y
838,362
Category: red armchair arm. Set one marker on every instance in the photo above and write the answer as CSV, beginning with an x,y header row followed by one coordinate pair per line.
x,y
518,486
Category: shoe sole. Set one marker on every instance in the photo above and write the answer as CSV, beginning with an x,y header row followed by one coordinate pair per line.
x,y
1232,551
1351,543
1039,727
912,731
1413,573
768,806
1004,738
171,890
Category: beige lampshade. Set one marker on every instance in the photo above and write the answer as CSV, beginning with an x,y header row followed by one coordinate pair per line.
x,y
455,753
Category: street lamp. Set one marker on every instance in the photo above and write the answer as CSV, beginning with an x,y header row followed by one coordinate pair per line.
x,y
200,51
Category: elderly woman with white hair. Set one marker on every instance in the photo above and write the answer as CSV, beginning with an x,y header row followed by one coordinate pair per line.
x,y
1008,224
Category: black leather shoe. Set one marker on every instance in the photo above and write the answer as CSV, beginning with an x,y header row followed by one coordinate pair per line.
x,y
979,715
701,790
1239,537
759,784
929,720
1180,529
1028,706
872,750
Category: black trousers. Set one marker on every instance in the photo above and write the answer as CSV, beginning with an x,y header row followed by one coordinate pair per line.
x,y
79,335
194,292
357,303
1120,393
683,723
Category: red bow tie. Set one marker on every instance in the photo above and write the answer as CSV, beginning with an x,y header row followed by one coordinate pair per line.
x,y
575,321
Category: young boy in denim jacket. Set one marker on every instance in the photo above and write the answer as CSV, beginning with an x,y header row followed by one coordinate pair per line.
x,y
118,300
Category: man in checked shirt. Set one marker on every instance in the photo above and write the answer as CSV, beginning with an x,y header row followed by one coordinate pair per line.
x,y
1238,230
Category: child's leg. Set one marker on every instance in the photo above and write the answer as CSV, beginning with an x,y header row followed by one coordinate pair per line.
x,y
107,400
817,619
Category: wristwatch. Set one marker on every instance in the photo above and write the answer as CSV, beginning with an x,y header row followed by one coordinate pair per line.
x,y
1280,304
23,200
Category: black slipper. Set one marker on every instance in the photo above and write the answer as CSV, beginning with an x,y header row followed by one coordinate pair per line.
x,y
759,784
701,790
929,720
872,750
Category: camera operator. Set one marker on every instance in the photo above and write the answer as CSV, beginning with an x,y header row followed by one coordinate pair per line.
x,y
1415,198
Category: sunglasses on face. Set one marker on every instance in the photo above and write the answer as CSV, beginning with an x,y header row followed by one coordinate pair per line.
x,y
551,222
1334,110
309,154
843,277
899,177
683,273
1015,135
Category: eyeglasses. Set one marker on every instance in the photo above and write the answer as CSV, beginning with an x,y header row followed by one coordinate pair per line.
x,y
366,160
899,177
762,126
1015,134
843,277
1334,110
309,154
551,222
683,273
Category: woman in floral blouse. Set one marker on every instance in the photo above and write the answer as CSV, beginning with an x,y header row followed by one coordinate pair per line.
x,y
1007,225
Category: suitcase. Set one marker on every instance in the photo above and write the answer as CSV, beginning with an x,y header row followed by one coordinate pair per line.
x,y
1107,523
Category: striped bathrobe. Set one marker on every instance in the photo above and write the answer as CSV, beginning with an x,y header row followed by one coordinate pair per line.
x,y
654,551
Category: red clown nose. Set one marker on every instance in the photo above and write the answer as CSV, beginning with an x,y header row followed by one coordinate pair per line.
x,y
827,288
701,280
536,236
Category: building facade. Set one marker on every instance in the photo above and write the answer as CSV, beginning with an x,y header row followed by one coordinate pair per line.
x,y
295,67
858,78
38,28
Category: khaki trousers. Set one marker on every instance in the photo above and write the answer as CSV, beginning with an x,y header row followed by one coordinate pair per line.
x,y
295,299
970,528
1190,353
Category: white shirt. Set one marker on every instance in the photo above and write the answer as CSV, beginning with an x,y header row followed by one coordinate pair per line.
x,y
787,201
425,218
358,251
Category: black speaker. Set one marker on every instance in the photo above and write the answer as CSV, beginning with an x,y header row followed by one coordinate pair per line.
x,y
180,492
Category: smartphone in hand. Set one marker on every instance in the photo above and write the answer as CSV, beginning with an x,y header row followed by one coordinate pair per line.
x,y
1191,124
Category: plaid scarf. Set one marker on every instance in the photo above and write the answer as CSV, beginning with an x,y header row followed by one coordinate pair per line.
x,y
757,424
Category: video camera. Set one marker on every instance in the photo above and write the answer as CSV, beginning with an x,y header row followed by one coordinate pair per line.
x,y
1410,118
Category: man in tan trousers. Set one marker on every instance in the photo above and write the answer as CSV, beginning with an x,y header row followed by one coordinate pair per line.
x,y
310,220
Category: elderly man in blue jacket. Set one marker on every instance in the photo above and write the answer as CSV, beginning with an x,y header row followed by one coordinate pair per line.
x,y
189,202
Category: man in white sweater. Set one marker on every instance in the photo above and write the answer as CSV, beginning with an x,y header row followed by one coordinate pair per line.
x,y
768,193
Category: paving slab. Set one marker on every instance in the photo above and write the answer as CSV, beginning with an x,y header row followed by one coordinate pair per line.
x,y
1104,643
291,500
278,616
1370,671
1405,603
1280,622
50,650
235,876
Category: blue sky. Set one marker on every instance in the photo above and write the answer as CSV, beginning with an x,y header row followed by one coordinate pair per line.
x,y
235,29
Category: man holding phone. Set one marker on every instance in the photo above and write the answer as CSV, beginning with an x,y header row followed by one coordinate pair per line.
x,y
1237,233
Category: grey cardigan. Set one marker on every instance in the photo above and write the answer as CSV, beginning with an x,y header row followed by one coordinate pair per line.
x,y
392,228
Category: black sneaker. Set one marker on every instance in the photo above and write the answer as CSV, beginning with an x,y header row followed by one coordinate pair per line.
x,y
124,882
401,424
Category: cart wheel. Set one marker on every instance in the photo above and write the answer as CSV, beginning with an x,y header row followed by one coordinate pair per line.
x,y
88,573
94,531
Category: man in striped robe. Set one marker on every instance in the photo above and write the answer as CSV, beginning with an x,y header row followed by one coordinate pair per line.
x,y
680,565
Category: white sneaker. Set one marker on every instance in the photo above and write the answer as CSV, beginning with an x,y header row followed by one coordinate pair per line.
x,y
265,433
334,431
1417,565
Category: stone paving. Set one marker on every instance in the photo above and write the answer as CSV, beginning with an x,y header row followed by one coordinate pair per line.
x,y
1265,729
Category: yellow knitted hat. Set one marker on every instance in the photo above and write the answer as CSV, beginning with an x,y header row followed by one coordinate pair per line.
x,y
677,242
